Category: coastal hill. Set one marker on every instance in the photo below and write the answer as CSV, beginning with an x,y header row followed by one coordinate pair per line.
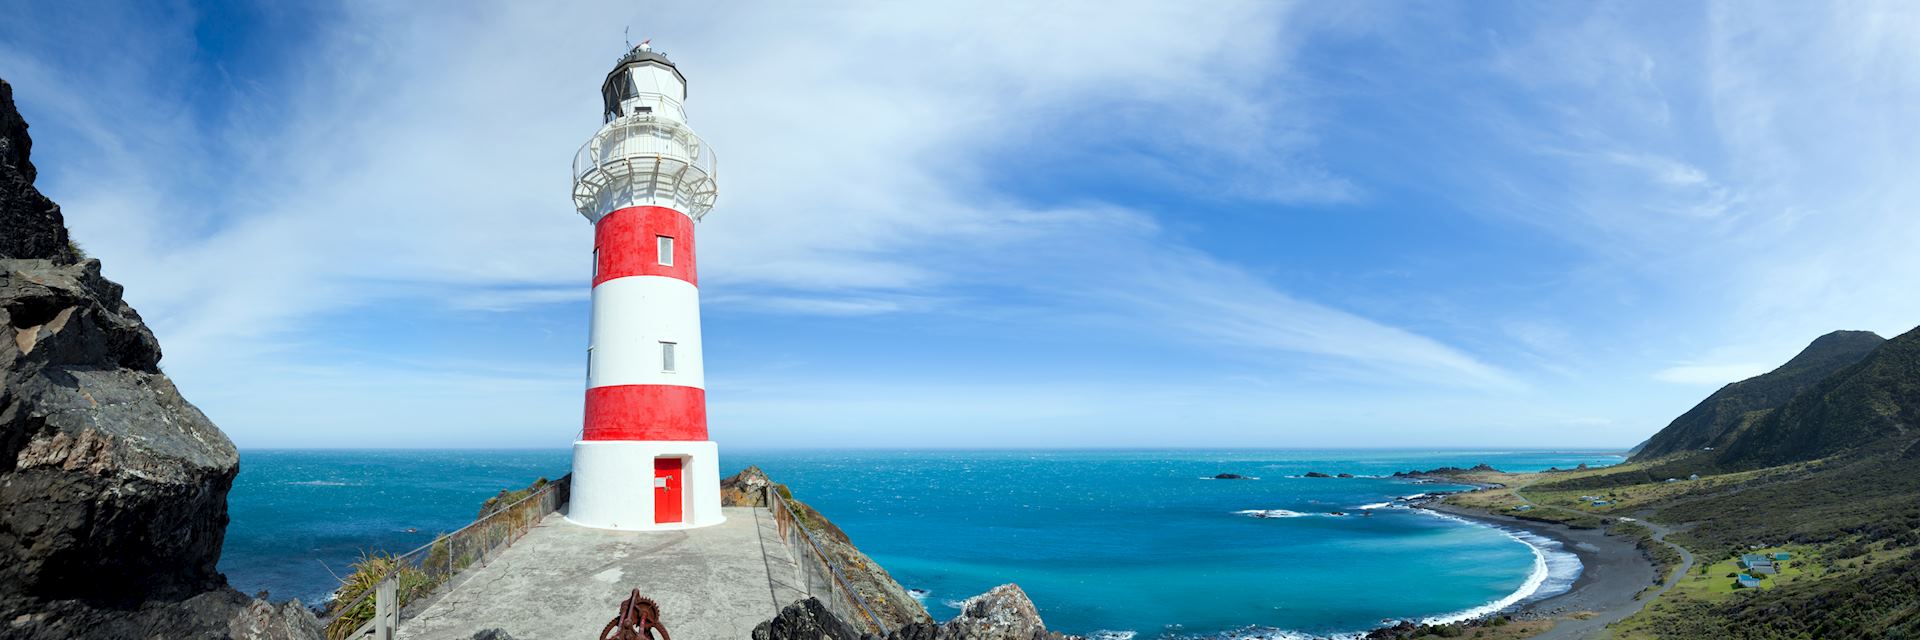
x,y
1870,405
1824,482
113,488
1735,406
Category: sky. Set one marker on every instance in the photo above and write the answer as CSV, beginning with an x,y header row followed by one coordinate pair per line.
x,y
999,225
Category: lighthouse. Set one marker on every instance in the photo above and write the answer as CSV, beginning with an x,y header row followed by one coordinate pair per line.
x,y
643,461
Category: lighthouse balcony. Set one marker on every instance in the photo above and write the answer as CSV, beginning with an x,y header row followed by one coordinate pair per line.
x,y
644,160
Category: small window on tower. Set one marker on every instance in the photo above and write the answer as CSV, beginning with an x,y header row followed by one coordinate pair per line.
x,y
596,262
666,357
666,250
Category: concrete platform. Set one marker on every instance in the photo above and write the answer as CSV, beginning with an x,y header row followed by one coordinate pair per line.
x,y
565,581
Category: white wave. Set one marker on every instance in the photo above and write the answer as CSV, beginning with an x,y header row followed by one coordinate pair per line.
x,y
919,595
1270,513
1416,496
1536,585
1376,505
319,483
1271,633
1563,567
1283,513
1108,634
957,604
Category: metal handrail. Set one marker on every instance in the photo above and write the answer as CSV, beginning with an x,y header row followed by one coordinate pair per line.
x,y
784,512
385,594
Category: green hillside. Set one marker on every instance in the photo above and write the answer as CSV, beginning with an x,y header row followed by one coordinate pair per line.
x,y
1831,472
1715,420
1871,406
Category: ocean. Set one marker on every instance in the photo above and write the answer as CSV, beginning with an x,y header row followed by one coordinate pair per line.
x,y
1115,544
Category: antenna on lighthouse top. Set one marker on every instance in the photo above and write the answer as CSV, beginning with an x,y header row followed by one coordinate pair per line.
x,y
626,35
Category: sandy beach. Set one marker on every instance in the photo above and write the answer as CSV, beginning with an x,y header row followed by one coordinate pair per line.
x,y
1613,570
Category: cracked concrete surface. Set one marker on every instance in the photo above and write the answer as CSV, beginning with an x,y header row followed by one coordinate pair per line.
x,y
566,581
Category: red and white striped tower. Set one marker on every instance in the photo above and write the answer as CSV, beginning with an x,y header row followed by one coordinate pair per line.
x,y
643,461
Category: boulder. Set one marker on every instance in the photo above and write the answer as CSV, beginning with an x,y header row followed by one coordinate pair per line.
x,y
113,488
1004,613
805,620
261,620
1229,476
1343,475
1316,474
746,489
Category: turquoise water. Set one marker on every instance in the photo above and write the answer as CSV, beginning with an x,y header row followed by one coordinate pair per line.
x,y
1114,541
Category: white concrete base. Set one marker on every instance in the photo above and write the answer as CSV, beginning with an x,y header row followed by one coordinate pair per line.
x,y
613,484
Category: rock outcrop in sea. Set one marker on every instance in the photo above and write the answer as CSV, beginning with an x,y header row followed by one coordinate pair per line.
x,y
1450,471
1003,613
113,488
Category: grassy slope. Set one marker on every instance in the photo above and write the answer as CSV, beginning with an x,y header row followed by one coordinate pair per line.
x,y
1851,522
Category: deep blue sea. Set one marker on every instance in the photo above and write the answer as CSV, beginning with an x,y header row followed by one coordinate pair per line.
x,y
1106,542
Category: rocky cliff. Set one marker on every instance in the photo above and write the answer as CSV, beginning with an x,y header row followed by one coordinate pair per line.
x,y
113,488
876,587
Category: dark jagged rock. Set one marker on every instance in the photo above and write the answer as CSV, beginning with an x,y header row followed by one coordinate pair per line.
x,y
219,613
1316,474
1230,476
1447,471
32,223
496,634
805,620
1003,613
113,488
1343,475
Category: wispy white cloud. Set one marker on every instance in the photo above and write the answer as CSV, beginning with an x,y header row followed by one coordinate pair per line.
x,y
1714,188
415,153
1711,374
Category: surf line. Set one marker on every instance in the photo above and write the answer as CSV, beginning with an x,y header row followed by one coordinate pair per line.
x,y
1550,563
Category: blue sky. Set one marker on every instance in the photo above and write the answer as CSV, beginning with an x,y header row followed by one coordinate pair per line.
x,y
997,225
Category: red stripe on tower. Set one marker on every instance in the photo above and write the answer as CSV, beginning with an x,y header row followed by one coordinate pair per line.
x,y
646,412
627,242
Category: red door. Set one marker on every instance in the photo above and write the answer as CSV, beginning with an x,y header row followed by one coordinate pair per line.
x,y
666,490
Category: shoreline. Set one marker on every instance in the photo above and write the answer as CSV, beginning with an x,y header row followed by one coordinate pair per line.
x,y
1612,569
1545,571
